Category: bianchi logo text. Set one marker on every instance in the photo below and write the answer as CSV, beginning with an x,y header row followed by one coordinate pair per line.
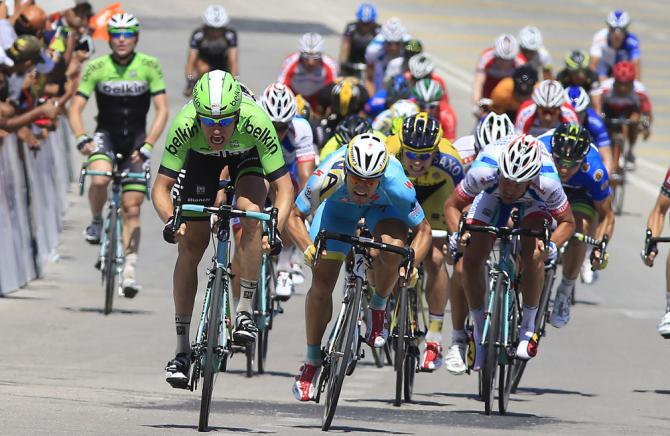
x,y
130,88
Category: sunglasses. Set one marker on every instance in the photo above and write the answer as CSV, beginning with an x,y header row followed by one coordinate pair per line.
x,y
548,110
430,105
281,127
566,163
310,56
211,122
417,156
126,34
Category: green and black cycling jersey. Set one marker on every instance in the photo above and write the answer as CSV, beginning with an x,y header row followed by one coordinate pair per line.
x,y
254,134
123,92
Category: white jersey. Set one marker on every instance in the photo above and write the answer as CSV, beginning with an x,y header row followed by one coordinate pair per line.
x,y
375,55
298,144
467,149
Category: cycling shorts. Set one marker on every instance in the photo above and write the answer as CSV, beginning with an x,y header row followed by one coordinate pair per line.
x,y
108,145
580,201
432,199
488,210
198,180
343,218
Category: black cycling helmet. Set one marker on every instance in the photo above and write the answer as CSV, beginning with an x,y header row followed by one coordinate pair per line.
x,y
397,88
413,47
351,126
420,133
525,78
577,60
345,97
570,142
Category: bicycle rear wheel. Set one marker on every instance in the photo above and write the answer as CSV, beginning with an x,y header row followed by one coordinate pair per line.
x,y
400,346
211,363
506,380
110,262
346,341
490,366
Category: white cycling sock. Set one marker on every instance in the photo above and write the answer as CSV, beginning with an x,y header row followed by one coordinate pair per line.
x,y
284,260
129,266
667,301
247,290
183,324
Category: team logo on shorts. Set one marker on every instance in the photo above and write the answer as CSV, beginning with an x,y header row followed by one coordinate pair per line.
x,y
200,190
598,175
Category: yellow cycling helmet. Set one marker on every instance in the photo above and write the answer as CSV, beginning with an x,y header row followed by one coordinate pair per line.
x,y
345,97
420,133
304,108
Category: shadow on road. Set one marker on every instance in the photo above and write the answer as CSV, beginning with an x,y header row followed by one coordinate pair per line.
x,y
544,391
100,310
211,428
268,373
388,401
652,391
19,297
348,429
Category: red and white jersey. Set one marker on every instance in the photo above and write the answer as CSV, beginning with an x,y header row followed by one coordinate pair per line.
x,y
528,121
307,83
494,73
617,105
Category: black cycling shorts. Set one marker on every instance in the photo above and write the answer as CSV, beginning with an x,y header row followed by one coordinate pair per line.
x,y
108,145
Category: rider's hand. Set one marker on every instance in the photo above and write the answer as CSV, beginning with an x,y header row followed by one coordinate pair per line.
x,y
598,261
142,154
171,236
648,259
272,249
85,145
452,247
310,254
412,279
550,251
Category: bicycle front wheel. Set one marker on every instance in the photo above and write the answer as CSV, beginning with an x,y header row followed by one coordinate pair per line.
x,y
492,338
110,262
400,346
267,290
346,341
506,380
211,363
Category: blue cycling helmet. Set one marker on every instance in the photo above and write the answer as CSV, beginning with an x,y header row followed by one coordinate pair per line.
x,y
397,88
578,98
618,19
366,13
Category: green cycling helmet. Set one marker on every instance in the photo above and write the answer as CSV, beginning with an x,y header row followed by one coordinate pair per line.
x,y
427,91
217,94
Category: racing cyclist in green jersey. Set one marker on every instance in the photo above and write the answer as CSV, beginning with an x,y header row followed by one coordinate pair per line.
x,y
221,126
125,83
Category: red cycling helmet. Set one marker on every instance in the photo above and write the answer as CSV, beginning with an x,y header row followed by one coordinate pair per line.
x,y
624,72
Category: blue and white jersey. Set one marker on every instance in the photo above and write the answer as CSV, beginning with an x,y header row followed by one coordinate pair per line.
x,y
375,54
609,56
596,127
484,176
327,184
592,177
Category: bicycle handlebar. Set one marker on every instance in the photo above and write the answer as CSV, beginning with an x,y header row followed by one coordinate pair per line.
x,y
506,232
651,241
144,176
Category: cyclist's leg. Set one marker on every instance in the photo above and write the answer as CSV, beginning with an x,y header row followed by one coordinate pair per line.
x,y
455,359
664,326
99,160
632,133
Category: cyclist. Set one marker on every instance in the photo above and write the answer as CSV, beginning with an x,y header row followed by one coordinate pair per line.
x,y
390,121
125,83
429,95
346,96
309,69
387,45
221,126
614,44
589,118
400,65
547,109
577,71
624,97
434,167
655,224
495,64
295,135
213,46
357,181
586,184
350,126
356,37
530,44
488,130
511,92
515,171
396,88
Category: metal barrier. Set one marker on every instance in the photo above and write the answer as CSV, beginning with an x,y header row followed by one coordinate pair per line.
x,y
33,198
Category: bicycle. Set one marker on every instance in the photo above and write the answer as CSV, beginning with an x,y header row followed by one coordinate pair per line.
x,y
500,334
214,340
344,344
543,311
619,146
112,258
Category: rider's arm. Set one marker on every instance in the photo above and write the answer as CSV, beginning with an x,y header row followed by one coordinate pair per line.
x,y
478,86
160,196
345,49
297,229
283,189
189,71
74,115
657,215
565,227
606,225
453,210
233,57
160,118
422,241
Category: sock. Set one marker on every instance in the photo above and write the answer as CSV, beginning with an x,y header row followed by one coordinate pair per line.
x,y
459,336
296,255
377,302
236,301
566,285
667,301
129,266
477,317
528,318
247,288
183,324
434,328
97,219
284,261
313,354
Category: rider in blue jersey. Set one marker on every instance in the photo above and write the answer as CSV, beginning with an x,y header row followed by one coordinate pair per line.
x,y
614,44
357,181
586,184
590,119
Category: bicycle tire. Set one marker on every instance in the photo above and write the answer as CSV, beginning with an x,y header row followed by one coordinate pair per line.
x,y
491,365
400,347
110,267
412,356
264,334
212,339
339,360
506,378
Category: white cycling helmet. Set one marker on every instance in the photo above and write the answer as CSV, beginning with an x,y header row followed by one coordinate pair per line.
x,y
279,102
393,30
506,46
123,20
549,94
215,16
421,66
311,44
521,160
492,128
366,156
530,38
403,109
618,19
578,98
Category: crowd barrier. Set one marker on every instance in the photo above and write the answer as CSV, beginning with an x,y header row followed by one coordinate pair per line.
x,y
33,199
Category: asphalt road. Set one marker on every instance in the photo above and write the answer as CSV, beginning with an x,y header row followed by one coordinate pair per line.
x,y
67,369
